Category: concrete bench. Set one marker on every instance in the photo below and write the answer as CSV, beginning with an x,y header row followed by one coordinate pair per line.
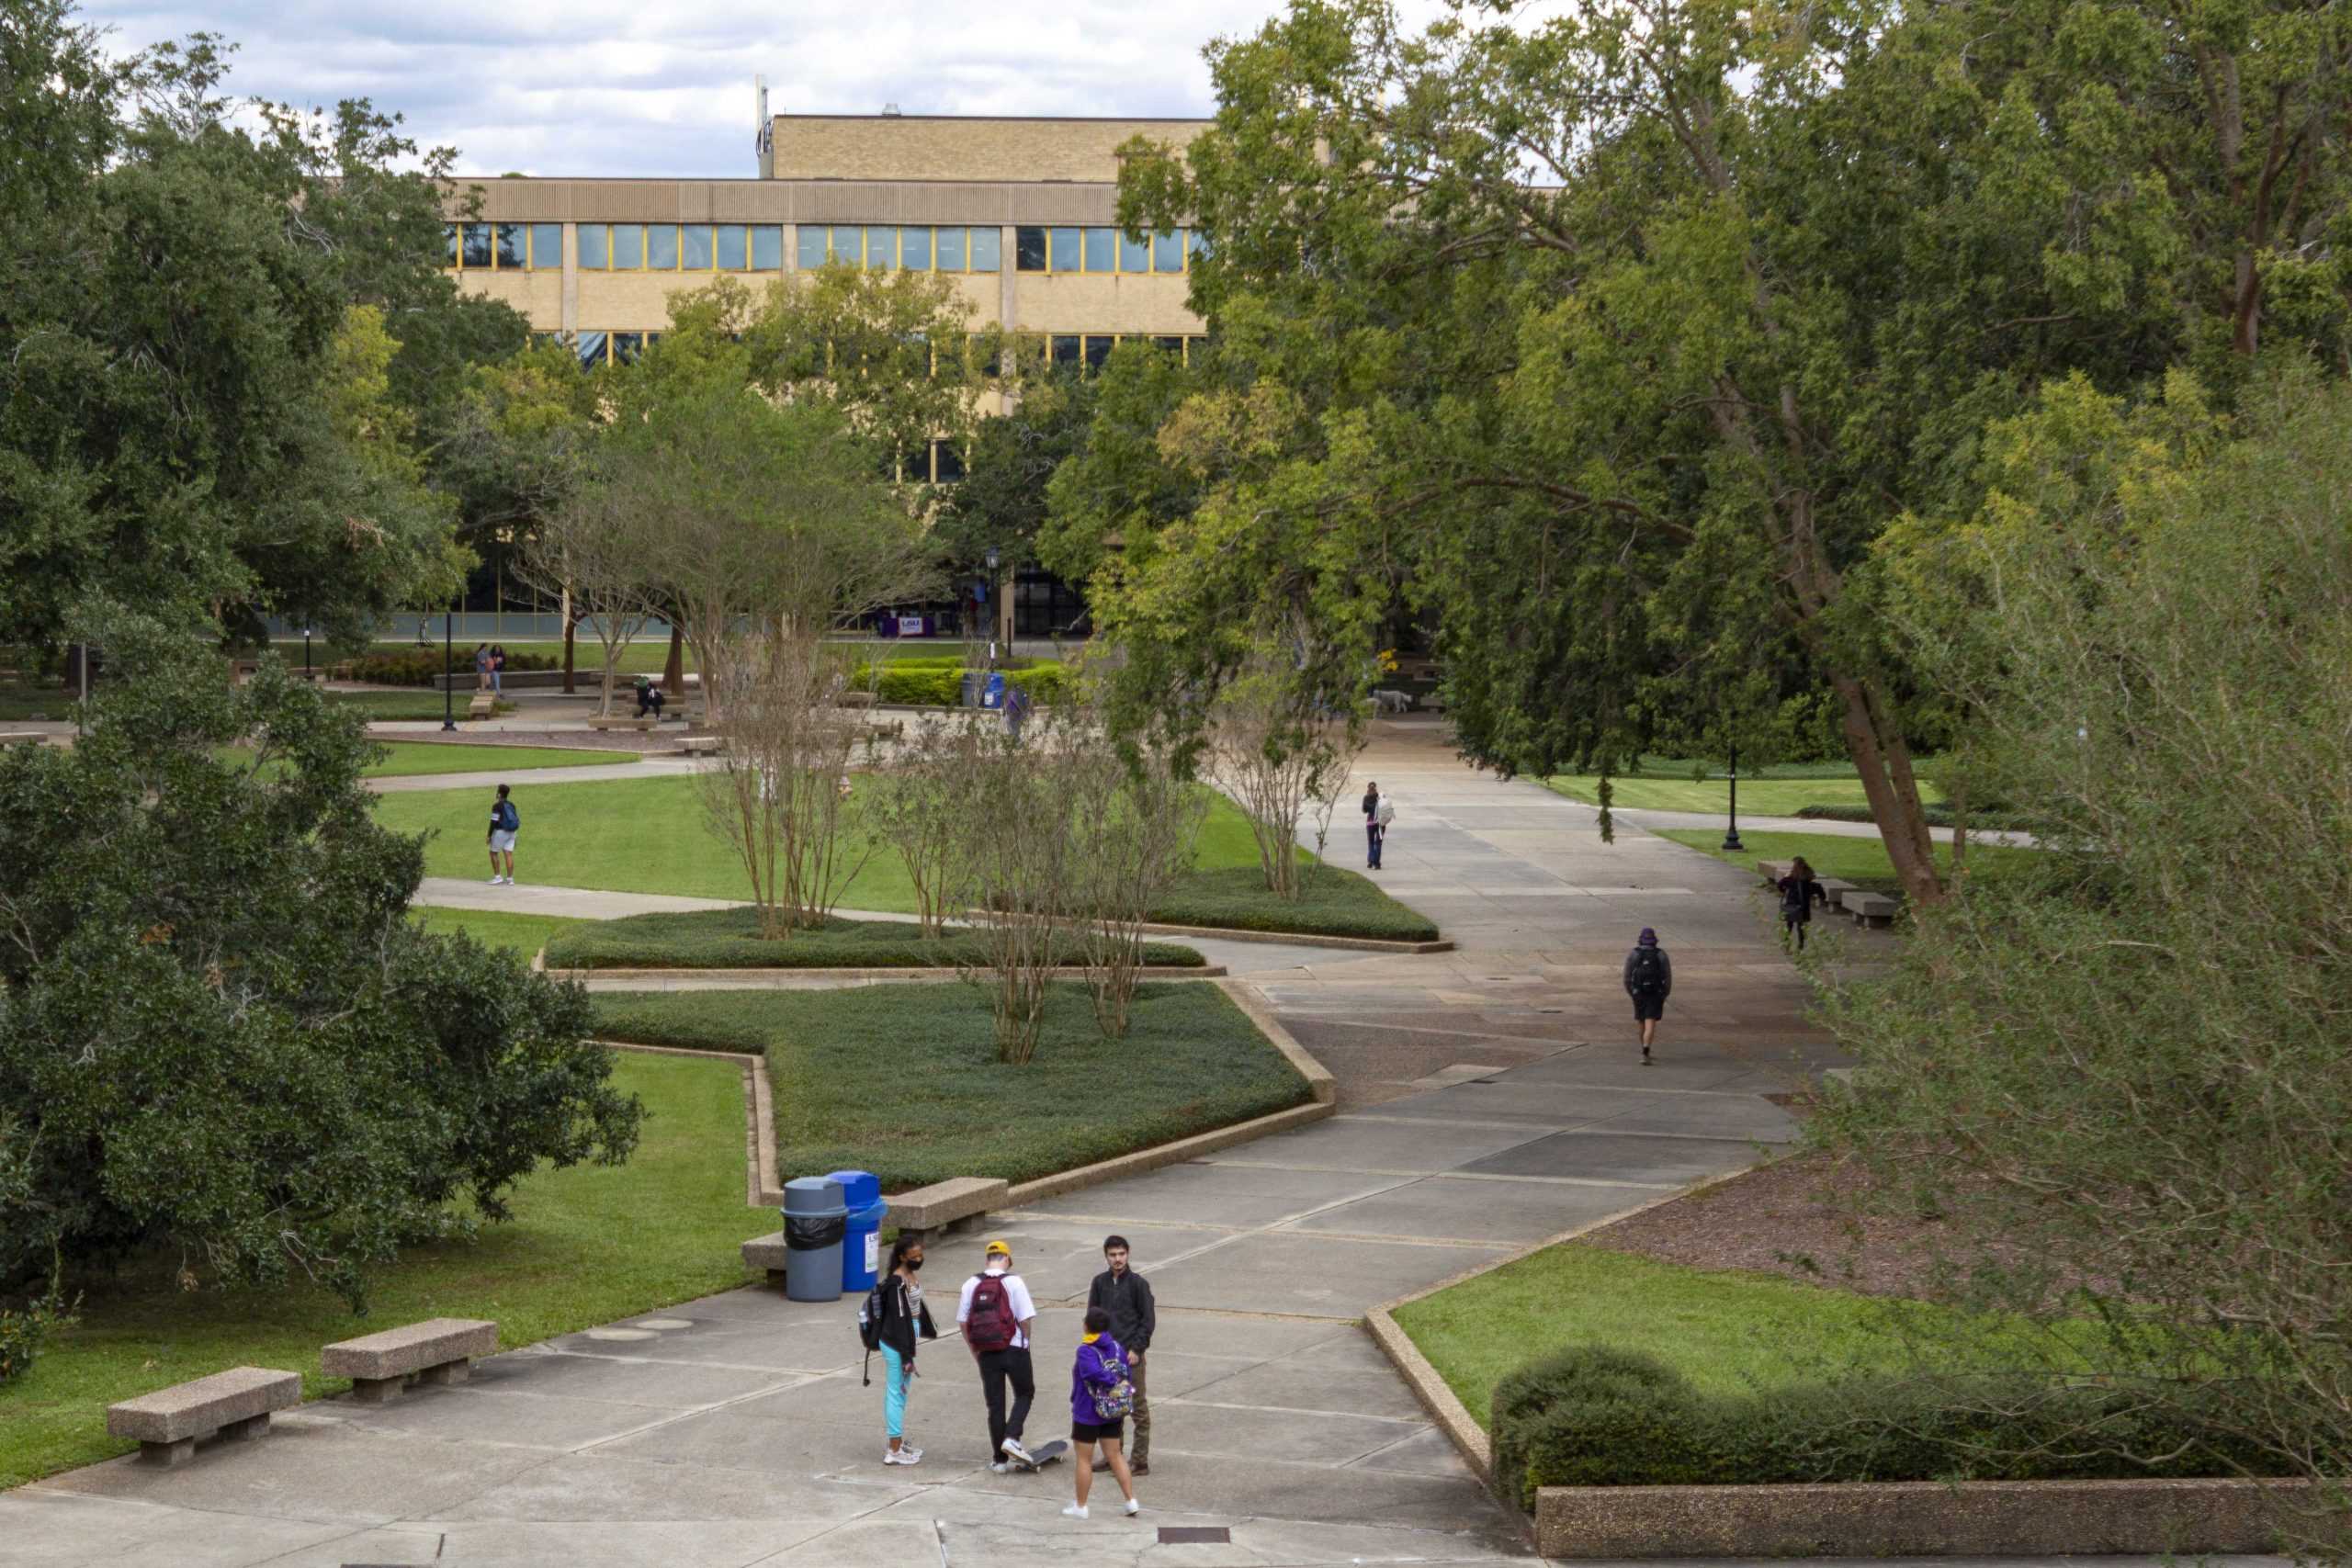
x,y
438,1350
616,721
1872,908
22,738
483,706
855,700
1771,870
1835,889
236,1404
702,745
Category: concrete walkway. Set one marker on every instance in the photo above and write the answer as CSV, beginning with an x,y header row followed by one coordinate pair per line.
x,y
1491,1099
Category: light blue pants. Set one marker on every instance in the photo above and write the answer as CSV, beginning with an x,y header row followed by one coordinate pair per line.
x,y
895,1375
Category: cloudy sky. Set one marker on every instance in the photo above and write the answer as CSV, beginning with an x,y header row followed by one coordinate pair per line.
x,y
605,87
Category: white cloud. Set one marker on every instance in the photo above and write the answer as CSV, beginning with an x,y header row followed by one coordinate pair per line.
x,y
603,87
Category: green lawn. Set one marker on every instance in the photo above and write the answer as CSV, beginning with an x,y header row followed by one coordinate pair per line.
x,y
645,656
903,1080
650,836
412,758
20,702
495,928
730,939
1727,1332
381,706
1665,783
586,1246
1861,860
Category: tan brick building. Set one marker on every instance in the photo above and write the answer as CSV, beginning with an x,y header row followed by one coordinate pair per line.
x,y
1018,211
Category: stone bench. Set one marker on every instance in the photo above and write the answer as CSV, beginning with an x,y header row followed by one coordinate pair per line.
x,y
438,1350
702,745
855,700
1835,890
483,706
926,1213
619,721
236,1404
1872,908
1771,870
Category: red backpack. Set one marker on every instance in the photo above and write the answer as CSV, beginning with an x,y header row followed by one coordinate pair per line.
x,y
990,1325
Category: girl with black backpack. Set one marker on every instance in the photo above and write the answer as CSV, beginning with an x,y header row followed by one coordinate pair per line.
x,y
892,1322
1799,893
1649,978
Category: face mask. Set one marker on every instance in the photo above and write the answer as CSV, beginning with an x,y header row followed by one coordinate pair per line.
x,y
914,1265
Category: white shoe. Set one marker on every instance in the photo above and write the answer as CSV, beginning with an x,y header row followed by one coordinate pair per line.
x,y
907,1455
496,880
1001,1467
1074,1512
1133,1507
1013,1450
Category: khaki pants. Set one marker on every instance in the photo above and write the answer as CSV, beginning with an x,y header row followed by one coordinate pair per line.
x,y
1140,1442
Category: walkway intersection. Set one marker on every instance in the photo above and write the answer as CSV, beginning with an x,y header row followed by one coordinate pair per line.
x,y
1490,1100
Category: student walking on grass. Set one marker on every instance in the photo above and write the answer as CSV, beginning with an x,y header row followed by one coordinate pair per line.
x,y
1127,1296
504,823
995,1314
1799,892
894,1320
1101,1393
1649,979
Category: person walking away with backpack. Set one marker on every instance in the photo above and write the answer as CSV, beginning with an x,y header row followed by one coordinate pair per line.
x,y
504,823
1799,892
1649,980
893,1321
1372,826
1102,1392
995,1314
1127,1296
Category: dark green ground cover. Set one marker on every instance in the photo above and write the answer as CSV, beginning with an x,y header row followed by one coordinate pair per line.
x,y
730,939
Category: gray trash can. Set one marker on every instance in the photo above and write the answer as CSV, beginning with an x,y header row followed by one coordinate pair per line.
x,y
815,1219
971,688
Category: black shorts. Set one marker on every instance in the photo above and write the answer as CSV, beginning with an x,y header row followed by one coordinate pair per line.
x,y
1649,1007
1112,1431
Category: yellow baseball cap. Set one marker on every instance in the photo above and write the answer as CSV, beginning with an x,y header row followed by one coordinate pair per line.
x,y
994,1247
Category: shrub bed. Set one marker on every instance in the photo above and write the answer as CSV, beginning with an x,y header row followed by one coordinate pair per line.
x,y
1333,902
920,682
730,939
903,1080
1936,816
421,667
1595,1416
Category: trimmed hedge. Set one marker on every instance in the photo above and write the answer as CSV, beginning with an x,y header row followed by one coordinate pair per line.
x,y
903,1080
1333,902
421,667
916,683
1936,816
1595,1416
730,939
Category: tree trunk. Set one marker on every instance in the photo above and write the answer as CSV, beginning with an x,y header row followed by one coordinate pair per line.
x,y
673,674
1884,762
1959,830
570,631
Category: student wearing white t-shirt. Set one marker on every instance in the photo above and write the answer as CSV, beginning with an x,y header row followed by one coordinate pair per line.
x,y
995,1314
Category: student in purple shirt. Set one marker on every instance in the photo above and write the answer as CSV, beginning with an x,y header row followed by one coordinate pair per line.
x,y
1099,1375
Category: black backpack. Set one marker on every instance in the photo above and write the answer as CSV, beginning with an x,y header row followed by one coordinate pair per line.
x,y
869,1330
1794,892
1650,970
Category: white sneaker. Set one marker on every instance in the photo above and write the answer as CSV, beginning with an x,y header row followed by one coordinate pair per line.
x,y
1133,1507
907,1455
496,880
1074,1512
1001,1467
1013,1450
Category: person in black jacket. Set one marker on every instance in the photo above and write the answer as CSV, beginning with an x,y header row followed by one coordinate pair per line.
x,y
1127,1296
904,1320
1649,980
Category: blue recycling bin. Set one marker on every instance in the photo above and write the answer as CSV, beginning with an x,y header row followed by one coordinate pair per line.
x,y
814,1220
992,693
862,1241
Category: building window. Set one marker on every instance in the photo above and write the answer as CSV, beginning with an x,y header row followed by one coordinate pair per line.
x,y
546,247
1200,243
1098,350
698,247
626,346
1174,345
1135,256
729,244
948,249
881,246
449,244
947,462
595,248
628,247
849,245
1029,249
661,247
914,467
1066,348
1168,251
914,249
810,250
1101,249
590,345
474,250
767,247
988,250
507,246
1064,252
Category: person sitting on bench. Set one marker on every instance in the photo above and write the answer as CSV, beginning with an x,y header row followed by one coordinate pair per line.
x,y
649,699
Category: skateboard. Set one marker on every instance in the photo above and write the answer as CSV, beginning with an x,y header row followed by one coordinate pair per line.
x,y
1044,1454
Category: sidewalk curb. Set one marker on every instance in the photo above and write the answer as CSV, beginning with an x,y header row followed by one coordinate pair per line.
x,y
764,979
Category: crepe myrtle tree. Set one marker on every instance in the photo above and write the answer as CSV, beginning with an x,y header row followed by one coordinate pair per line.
x,y
221,1038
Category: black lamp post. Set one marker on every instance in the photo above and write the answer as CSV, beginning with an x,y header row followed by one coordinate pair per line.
x,y
995,611
448,690
1731,833
306,653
